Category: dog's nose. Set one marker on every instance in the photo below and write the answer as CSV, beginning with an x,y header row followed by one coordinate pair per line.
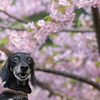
x,y
24,67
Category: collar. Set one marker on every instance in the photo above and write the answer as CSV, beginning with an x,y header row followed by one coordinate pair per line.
x,y
16,92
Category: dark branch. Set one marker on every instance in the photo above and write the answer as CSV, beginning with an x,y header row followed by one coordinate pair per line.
x,y
66,30
79,30
11,28
96,20
13,16
70,75
54,92
6,51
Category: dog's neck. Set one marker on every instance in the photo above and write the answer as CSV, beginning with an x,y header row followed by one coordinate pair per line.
x,y
17,85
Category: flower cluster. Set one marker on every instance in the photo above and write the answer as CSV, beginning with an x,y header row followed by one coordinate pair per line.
x,y
60,17
24,8
75,53
83,3
62,12
22,41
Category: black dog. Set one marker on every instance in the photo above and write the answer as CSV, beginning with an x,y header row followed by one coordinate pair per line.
x,y
15,73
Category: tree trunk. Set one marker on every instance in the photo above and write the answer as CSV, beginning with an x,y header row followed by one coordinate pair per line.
x,y
96,20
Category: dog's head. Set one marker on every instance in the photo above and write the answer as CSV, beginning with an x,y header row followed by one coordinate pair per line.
x,y
21,65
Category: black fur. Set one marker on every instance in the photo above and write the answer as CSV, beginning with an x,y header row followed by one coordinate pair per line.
x,y
11,82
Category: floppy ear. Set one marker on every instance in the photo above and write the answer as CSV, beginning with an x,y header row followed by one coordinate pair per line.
x,y
33,79
5,72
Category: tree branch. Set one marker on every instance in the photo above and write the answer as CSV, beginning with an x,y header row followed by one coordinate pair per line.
x,y
13,17
54,92
62,73
70,75
66,30
79,30
12,28
6,51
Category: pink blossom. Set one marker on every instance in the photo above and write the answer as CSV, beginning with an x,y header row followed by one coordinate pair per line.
x,y
64,3
31,25
1,85
41,23
2,55
81,3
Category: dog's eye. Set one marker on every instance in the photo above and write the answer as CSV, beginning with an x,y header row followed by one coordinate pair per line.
x,y
29,59
15,58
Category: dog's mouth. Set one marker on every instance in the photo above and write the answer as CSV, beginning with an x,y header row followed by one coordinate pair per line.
x,y
23,75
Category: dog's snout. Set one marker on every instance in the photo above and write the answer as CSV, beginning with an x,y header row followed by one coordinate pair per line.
x,y
24,67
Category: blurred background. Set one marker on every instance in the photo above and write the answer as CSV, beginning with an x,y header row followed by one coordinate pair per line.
x,y
67,58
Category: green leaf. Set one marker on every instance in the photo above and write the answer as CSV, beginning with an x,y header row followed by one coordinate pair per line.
x,y
16,24
13,2
64,84
3,41
30,29
53,35
97,63
47,18
60,8
66,46
25,18
98,79
79,24
55,52
70,59
72,81
71,34
95,47
51,1
61,11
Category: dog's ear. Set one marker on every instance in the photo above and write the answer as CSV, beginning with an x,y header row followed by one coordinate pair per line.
x,y
5,72
33,79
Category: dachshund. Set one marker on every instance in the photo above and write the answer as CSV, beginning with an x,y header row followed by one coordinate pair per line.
x,y
15,73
